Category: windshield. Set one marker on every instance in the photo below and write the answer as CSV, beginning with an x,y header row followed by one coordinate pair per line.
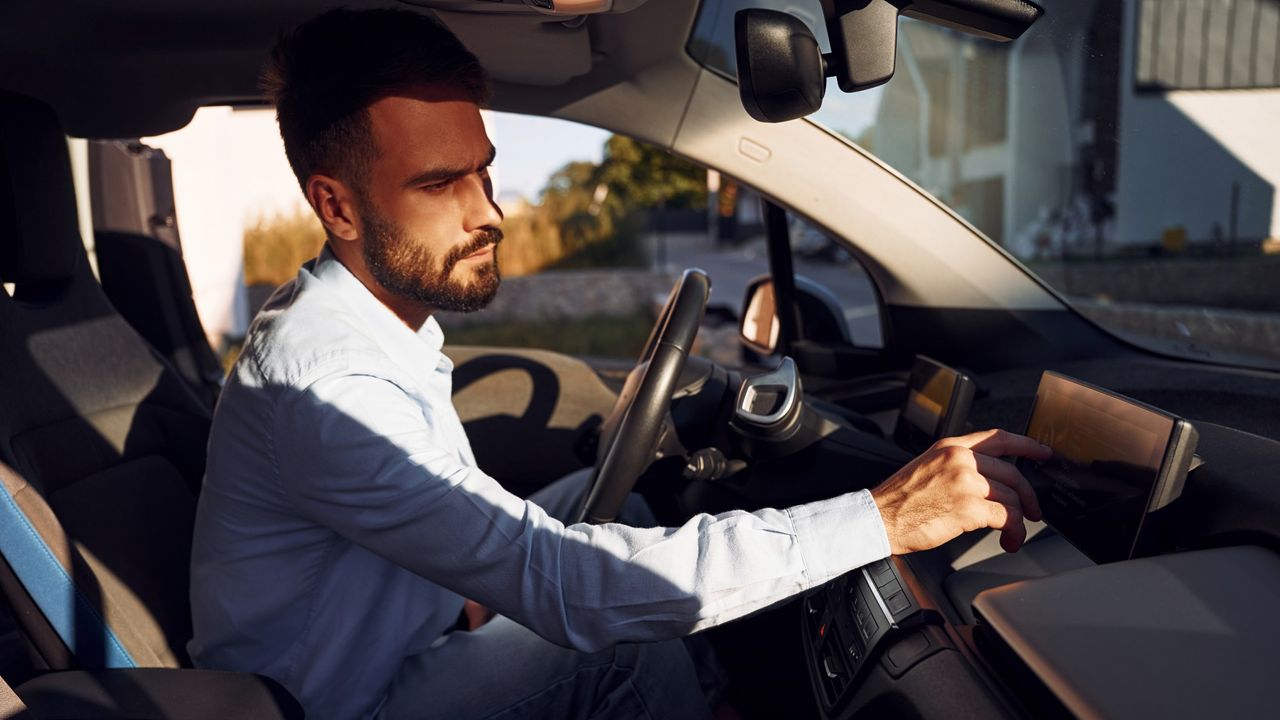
x,y
1124,150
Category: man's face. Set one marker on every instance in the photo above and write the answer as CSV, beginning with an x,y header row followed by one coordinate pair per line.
x,y
429,226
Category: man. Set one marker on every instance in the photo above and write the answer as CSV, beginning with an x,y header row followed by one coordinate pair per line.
x,y
344,520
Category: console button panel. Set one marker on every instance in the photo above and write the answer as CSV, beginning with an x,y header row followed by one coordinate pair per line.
x,y
850,621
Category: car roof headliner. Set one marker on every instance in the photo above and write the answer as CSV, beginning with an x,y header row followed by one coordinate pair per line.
x,y
129,68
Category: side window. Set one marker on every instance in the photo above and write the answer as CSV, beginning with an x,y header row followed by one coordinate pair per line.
x,y
826,263
597,228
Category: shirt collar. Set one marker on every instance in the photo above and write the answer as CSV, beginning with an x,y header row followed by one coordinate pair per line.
x,y
417,352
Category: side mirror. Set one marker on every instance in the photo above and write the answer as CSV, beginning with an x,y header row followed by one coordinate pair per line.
x,y
820,315
759,327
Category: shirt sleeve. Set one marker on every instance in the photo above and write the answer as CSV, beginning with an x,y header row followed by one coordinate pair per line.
x,y
356,454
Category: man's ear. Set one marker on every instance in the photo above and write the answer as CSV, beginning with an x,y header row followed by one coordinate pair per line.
x,y
334,202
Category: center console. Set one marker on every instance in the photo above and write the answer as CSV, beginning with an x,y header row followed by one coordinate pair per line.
x,y
1117,464
849,622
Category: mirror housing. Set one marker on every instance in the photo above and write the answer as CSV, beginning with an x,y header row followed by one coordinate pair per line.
x,y
782,73
821,316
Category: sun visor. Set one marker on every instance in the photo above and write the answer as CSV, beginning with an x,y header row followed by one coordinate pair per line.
x,y
524,49
41,239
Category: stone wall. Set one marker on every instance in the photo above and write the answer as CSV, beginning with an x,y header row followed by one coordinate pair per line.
x,y
1242,283
570,294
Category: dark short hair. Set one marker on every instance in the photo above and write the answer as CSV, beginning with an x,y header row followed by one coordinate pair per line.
x,y
323,75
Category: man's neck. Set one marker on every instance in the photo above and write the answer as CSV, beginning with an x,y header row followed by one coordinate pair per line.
x,y
411,313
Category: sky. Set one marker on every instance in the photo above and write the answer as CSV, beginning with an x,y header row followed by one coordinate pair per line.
x,y
530,149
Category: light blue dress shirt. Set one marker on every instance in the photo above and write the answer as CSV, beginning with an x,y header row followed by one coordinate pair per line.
x,y
343,519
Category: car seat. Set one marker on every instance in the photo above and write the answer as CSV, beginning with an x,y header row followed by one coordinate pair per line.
x,y
102,444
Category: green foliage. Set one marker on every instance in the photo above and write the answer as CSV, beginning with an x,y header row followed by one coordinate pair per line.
x,y
594,215
642,176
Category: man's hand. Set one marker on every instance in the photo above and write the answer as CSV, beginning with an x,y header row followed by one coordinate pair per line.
x,y
476,613
958,485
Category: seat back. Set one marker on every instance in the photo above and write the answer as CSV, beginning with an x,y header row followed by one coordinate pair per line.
x,y
103,443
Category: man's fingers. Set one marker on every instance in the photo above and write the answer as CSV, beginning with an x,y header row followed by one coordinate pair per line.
x,y
1011,538
996,443
1006,474
999,492
1008,520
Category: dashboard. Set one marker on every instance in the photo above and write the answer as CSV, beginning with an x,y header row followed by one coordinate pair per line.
x,y
1149,591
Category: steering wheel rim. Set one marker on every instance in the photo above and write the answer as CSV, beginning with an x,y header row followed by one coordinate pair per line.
x,y
638,417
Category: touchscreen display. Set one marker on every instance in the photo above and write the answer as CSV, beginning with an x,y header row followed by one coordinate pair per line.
x,y
1107,454
928,396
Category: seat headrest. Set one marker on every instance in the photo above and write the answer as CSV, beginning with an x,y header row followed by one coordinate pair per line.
x,y
39,229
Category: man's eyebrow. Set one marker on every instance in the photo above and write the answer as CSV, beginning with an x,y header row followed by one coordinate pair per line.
x,y
445,174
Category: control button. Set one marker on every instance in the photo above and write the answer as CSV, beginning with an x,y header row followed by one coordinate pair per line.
x,y
882,572
869,628
897,603
889,588
830,667
853,653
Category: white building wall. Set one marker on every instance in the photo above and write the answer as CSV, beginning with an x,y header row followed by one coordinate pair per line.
x,y
1180,153
1040,148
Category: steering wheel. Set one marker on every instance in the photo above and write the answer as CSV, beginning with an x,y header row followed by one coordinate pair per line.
x,y
629,438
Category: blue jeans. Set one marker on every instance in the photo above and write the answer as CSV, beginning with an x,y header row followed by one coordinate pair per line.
x,y
503,670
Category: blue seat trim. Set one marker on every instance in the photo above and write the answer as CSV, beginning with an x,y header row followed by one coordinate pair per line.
x,y
72,616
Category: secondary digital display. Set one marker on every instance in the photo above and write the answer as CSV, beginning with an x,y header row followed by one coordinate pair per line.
x,y
937,404
1107,458
928,397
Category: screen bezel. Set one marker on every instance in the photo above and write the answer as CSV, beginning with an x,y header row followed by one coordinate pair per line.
x,y
1169,473
954,413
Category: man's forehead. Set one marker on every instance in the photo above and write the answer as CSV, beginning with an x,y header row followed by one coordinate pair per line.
x,y
434,122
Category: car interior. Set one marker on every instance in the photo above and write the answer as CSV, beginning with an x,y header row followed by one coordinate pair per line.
x,y
1149,591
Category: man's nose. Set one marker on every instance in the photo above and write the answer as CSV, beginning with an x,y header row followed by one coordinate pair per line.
x,y
481,210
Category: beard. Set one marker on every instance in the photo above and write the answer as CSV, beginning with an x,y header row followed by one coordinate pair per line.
x,y
411,271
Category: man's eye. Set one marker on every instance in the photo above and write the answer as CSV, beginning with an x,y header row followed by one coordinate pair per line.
x,y
436,187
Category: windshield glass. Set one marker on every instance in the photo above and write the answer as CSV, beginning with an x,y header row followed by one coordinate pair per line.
x,y
1123,150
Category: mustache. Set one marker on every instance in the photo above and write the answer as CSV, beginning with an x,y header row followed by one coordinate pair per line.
x,y
482,239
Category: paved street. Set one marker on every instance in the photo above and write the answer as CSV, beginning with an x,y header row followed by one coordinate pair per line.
x,y
732,267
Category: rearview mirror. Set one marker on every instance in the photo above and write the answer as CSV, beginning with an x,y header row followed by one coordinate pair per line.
x,y
782,73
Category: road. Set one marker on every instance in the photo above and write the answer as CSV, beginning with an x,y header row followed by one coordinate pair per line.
x,y
732,267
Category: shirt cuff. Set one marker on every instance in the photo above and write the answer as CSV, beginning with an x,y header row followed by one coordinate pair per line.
x,y
839,535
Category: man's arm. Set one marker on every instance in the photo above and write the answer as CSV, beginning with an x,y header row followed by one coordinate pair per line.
x,y
356,455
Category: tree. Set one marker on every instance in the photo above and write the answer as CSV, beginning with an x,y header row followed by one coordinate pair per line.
x,y
643,176
591,215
